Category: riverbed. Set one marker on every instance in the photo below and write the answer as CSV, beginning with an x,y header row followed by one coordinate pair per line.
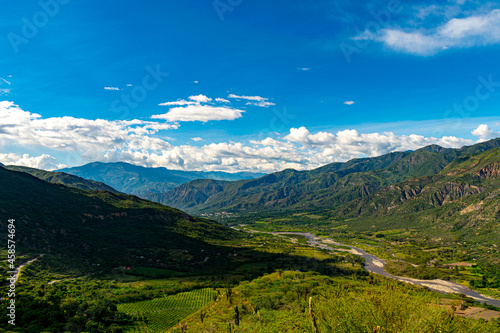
x,y
377,266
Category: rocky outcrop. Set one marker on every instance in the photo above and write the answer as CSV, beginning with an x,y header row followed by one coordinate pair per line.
x,y
492,170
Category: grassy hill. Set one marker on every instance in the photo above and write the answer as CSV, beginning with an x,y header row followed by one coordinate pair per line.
x,y
81,230
329,186
64,179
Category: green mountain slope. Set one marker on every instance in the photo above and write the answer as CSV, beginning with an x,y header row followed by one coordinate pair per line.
x,y
146,182
326,187
83,229
277,190
464,197
64,179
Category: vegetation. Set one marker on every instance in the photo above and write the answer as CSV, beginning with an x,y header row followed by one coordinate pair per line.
x,y
109,262
307,302
84,231
161,314
64,179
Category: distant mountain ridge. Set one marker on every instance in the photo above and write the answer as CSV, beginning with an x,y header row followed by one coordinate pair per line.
x,y
145,182
64,179
325,187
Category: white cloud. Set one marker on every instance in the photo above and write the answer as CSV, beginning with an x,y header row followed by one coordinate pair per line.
x,y
4,81
299,150
348,144
305,69
262,104
484,132
75,141
200,99
44,161
195,81
272,142
474,30
196,109
349,102
179,102
193,100
129,85
88,138
199,112
250,98
254,100
111,88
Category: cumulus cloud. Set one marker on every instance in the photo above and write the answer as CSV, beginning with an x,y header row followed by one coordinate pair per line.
x,y
484,132
203,108
111,88
300,150
196,109
477,29
200,99
44,161
254,100
349,102
91,138
304,69
348,144
139,142
201,113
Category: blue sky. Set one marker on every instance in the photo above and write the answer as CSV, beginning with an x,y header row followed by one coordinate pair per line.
x,y
244,85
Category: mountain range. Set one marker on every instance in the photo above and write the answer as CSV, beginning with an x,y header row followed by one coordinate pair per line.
x,y
145,182
433,188
324,188
463,198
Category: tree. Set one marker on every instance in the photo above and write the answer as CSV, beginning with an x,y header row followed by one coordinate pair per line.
x,y
236,316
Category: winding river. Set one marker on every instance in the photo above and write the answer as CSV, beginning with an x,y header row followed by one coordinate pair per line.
x,y
376,265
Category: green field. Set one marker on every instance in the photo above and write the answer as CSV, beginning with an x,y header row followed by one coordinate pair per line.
x,y
161,314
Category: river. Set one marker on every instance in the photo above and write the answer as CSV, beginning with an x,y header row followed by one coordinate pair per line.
x,y
377,266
